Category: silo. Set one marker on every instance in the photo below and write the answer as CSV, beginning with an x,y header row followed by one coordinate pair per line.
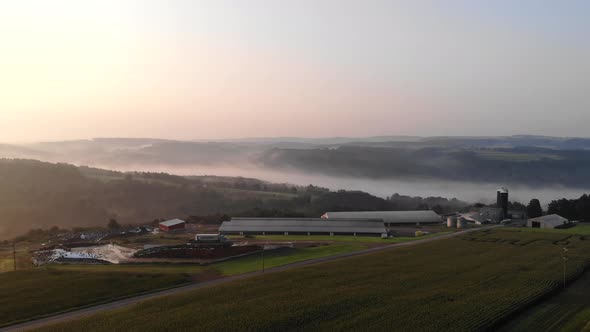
x,y
452,221
461,222
502,201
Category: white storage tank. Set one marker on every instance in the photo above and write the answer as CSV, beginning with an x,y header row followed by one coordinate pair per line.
x,y
452,221
461,222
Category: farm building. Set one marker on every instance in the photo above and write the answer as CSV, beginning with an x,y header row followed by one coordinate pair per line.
x,y
549,221
391,218
307,226
171,225
487,215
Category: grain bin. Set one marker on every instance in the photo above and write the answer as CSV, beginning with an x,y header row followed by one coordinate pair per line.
x,y
461,222
452,221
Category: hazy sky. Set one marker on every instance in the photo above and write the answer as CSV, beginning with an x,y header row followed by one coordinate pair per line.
x,y
213,69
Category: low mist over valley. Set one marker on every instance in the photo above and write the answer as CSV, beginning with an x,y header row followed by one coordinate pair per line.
x,y
469,168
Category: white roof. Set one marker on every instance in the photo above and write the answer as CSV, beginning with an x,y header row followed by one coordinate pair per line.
x,y
314,225
172,222
551,219
394,217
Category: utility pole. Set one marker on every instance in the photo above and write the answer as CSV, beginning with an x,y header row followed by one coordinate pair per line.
x,y
14,254
263,258
564,258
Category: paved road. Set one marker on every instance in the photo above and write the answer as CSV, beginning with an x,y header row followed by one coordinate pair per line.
x,y
134,300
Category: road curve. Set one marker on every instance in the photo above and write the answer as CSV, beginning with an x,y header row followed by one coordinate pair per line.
x,y
71,315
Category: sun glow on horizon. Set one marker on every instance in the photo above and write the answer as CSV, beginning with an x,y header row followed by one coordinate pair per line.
x,y
198,69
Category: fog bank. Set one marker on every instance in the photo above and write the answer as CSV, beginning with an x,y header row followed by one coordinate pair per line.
x,y
466,191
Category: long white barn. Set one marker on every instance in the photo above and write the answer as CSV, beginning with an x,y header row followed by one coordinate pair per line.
x,y
309,226
391,218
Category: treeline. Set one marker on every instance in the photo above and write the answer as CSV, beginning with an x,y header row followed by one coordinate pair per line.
x,y
439,205
572,209
39,195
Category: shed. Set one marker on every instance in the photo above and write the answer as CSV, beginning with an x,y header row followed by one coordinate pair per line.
x,y
548,221
171,225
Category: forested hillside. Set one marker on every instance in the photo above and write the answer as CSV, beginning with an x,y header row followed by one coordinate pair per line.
x,y
524,160
37,194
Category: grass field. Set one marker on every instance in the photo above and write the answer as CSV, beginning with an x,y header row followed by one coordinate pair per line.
x,y
467,283
23,258
6,264
282,257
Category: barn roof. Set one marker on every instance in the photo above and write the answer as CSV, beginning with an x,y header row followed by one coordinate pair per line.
x,y
393,217
551,219
312,225
172,222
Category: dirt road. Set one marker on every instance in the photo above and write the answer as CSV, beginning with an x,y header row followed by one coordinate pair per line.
x,y
134,300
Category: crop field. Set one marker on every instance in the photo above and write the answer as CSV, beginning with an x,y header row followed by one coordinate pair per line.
x,y
56,288
468,283
567,311
28,294
581,229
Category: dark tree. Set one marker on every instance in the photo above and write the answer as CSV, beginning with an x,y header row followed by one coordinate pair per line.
x,y
113,224
534,209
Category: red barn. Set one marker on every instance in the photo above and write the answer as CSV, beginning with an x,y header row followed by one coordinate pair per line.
x,y
171,225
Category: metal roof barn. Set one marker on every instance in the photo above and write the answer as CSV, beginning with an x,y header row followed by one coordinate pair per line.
x,y
549,221
173,224
303,226
391,218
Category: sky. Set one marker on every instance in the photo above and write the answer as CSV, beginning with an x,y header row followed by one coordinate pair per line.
x,y
190,69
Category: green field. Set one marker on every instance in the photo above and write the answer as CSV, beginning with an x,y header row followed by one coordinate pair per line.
x,y
56,288
467,283
282,257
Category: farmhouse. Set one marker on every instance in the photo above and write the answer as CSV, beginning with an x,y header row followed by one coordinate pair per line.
x,y
171,225
307,226
549,221
391,218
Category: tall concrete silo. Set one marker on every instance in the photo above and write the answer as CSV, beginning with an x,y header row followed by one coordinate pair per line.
x,y
502,201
